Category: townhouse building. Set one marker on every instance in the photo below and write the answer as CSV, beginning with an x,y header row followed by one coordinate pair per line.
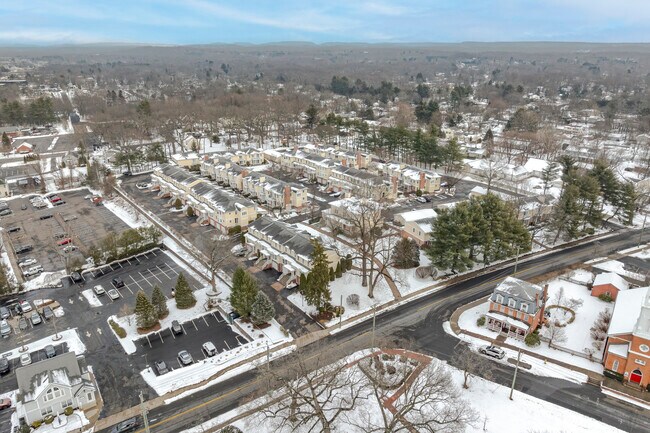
x,y
411,178
349,213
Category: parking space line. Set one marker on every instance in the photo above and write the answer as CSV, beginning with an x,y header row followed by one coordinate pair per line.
x,y
226,344
206,321
161,338
239,341
154,275
164,273
146,279
173,336
195,327
183,328
217,318
128,288
138,284
154,253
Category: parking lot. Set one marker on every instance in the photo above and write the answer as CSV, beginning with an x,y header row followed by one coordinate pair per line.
x,y
165,345
78,219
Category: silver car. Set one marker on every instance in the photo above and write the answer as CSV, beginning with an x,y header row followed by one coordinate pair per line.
x,y
185,358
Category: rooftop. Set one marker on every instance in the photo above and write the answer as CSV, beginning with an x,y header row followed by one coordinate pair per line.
x,y
520,289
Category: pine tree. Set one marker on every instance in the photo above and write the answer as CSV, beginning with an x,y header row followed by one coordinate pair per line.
x,y
183,293
316,291
348,260
262,310
339,270
407,254
159,302
332,275
244,292
144,311
6,142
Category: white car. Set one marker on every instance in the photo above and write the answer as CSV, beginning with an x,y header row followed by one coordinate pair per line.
x,y
27,262
34,270
69,248
143,185
209,348
25,359
26,306
99,290
113,294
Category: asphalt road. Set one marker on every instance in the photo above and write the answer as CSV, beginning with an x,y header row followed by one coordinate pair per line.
x,y
417,325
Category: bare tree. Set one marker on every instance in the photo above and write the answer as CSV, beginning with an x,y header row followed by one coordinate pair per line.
x,y
216,251
316,396
555,333
471,364
429,402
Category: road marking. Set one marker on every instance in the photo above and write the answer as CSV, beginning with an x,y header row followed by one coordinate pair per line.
x,y
206,321
99,331
154,275
183,328
146,279
161,338
195,327
128,288
131,276
88,334
81,298
228,346
164,273
71,301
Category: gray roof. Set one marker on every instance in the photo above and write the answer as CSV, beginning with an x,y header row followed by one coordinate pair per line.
x,y
219,198
179,174
285,234
359,174
520,289
30,376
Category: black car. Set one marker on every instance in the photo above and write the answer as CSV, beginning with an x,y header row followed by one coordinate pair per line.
x,y
47,313
233,315
24,249
58,203
4,366
125,426
127,173
117,282
76,277
13,229
46,216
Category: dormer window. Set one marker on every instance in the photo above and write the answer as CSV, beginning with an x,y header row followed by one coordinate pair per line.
x,y
512,303
499,299
524,307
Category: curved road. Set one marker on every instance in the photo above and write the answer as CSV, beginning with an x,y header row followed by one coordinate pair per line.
x,y
417,325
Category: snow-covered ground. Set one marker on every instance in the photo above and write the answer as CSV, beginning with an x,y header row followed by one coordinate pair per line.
x,y
68,336
92,299
495,413
616,267
578,337
45,279
126,212
406,280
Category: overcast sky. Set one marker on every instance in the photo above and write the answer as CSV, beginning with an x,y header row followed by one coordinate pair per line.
x,y
259,21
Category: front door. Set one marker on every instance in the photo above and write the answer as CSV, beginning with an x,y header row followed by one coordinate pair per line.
x,y
636,376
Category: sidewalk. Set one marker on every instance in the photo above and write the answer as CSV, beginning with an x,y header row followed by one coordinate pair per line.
x,y
593,377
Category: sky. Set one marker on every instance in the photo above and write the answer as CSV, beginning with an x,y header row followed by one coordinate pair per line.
x,y
53,22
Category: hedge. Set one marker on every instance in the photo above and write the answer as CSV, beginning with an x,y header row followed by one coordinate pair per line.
x,y
121,332
613,375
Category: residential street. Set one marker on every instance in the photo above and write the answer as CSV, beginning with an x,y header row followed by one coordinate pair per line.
x,y
417,325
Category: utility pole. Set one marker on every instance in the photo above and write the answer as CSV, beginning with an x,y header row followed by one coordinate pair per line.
x,y
516,261
645,217
341,311
144,414
268,357
514,377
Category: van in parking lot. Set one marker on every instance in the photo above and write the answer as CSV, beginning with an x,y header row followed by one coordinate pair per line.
x,y
176,327
209,348
34,270
5,328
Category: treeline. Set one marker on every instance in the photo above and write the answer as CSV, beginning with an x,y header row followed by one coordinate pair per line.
x,y
130,242
482,230
342,86
585,194
37,112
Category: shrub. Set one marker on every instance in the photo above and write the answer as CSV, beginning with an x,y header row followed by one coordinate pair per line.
x,y
480,321
25,428
68,411
532,339
418,193
36,424
605,297
613,375
339,310
178,203
390,369
352,300
230,429
234,230
190,212
49,419
121,332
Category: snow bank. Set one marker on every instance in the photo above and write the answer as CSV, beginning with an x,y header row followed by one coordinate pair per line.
x,y
69,336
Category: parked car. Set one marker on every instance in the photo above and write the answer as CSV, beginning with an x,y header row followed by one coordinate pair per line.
x,y
176,327
88,196
142,185
335,194
25,359
76,277
4,365
25,306
233,315
50,351
421,199
127,173
125,426
5,212
47,313
35,318
69,248
113,294
5,403
493,351
34,270
23,206
65,241
5,328
27,261
209,348
117,282
161,367
22,324
4,313
46,216
58,203
13,229
99,290
185,358
60,235
22,249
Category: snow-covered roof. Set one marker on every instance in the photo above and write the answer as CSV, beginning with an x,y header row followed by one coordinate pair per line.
x,y
619,349
417,215
627,310
642,327
611,278
520,289
425,227
534,164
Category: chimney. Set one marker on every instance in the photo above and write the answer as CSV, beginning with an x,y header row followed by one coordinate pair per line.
x,y
344,162
287,195
359,160
422,181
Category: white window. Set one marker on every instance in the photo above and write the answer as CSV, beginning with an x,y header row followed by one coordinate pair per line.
x,y
53,393
639,361
90,396
512,303
46,411
615,365
524,307
499,299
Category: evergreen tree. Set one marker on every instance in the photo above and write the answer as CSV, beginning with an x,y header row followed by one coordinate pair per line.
x,y
449,246
312,116
316,291
244,292
407,254
348,262
6,142
452,155
144,312
628,201
262,310
159,302
339,270
183,293
332,275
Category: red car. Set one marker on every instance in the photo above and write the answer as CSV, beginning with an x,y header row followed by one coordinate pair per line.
x,y
55,199
5,403
65,241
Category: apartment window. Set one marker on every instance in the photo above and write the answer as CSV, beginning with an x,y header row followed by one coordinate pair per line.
x,y
512,303
66,404
90,396
525,317
615,365
53,393
46,411
499,299
639,361
524,307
